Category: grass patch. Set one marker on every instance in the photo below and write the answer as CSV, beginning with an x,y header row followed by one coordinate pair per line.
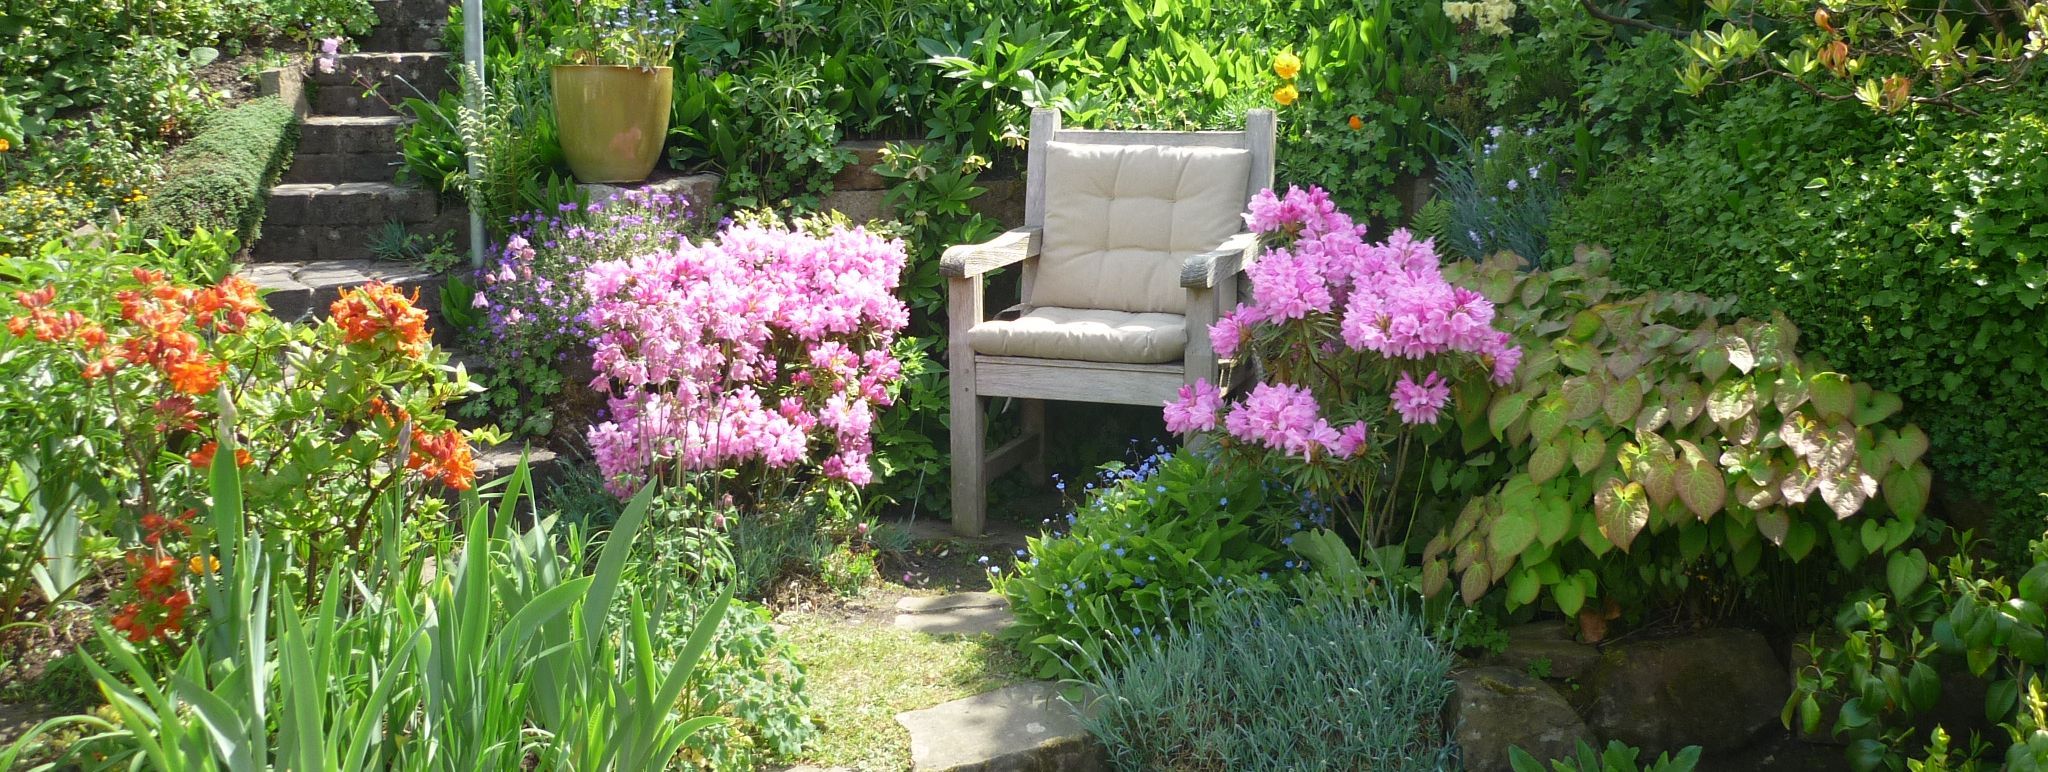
x,y
862,674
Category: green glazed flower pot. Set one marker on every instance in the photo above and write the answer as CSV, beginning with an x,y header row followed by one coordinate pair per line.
x,y
613,119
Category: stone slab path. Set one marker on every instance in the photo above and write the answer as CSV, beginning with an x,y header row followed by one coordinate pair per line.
x,y
1018,728
964,613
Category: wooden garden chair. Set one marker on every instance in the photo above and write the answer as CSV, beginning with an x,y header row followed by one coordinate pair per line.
x,y
1131,246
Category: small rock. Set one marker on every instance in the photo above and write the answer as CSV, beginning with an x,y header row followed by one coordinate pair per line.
x,y
1019,728
1497,708
1718,689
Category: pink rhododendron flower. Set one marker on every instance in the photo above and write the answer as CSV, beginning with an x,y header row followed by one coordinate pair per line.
x,y
765,346
1419,403
1282,417
1196,409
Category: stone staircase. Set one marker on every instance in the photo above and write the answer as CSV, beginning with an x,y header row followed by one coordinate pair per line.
x,y
340,192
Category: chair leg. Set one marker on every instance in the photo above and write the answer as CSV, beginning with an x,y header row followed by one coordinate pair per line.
x,y
1034,426
970,484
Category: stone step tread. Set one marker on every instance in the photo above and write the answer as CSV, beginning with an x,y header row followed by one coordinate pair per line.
x,y
1024,726
319,121
333,274
348,203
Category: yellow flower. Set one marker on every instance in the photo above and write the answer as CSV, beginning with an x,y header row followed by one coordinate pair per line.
x,y
3,145
1286,95
1287,66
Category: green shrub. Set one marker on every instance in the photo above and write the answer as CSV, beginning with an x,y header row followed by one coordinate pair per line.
x,y
1650,445
1142,556
1910,249
1616,757
1267,684
220,179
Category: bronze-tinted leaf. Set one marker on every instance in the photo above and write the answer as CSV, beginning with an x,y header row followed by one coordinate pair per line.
x,y
1435,575
1847,488
1702,488
1738,351
1732,399
1472,585
1688,401
1547,419
1713,362
1507,408
1797,484
1752,495
1622,509
1653,416
1623,401
1582,396
1790,392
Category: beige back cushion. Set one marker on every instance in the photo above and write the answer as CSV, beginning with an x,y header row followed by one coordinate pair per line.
x,y
1120,220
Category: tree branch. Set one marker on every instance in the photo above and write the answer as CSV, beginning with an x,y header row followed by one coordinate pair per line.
x,y
1623,21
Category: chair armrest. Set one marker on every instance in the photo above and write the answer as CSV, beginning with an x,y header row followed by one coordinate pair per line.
x,y
1203,270
966,260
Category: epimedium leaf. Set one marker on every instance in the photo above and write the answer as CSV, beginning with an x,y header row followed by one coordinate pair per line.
x,y
1846,490
1738,352
1754,495
1435,575
1790,391
1582,396
1523,588
1773,523
1549,459
1904,572
1622,509
1907,445
1832,394
1702,488
1800,537
1623,402
1687,402
1590,451
1570,597
1652,417
1547,419
1878,406
1472,585
1713,362
1905,490
1732,399
1553,520
1507,408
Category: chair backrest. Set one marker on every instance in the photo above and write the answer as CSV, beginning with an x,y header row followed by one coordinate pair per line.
x,y
1121,210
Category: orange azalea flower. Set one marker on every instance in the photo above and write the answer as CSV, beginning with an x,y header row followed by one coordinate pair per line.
x,y
376,308
1355,123
203,457
195,376
234,298
444,456
38,299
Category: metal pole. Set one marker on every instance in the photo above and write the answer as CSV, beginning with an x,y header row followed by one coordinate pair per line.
x,y
473,59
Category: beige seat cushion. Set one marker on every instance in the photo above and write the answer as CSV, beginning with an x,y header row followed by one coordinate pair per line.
x,y
1085,334
1121,219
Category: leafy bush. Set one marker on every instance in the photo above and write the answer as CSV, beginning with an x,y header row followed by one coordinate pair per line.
x,y
1907,247
1616,757
1883,668
1140,558
112,372
79,172
510,656
221,179
1646,443
1266,684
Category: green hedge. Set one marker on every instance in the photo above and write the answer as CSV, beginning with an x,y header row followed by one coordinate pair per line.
x,y
221,178
1909,249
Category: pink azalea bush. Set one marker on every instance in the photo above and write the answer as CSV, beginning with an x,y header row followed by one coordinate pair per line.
x,y
765,349
1360,344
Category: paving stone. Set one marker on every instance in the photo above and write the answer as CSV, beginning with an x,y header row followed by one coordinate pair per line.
x,y
305,289
958,600
966,613
1019,728
350,133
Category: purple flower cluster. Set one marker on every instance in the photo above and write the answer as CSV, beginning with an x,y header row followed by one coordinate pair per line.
x,y
764,345
1389,306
